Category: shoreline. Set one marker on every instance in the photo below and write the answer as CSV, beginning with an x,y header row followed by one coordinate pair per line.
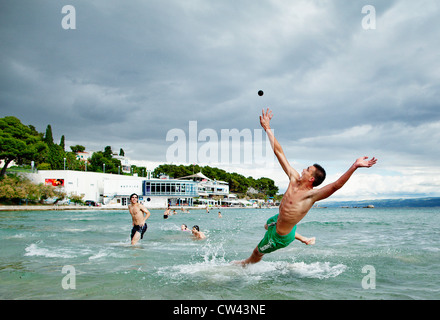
x,y
66,208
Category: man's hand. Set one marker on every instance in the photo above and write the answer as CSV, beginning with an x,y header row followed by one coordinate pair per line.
x,y
364,163
265,119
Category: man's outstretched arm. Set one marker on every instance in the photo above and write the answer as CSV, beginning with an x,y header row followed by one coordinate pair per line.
x,y
277,149
331,188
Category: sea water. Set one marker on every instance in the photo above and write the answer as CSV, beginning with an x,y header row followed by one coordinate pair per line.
x,y
391,253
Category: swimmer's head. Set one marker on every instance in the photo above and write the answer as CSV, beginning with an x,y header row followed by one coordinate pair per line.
x,y
184,227
319,175
196,227
134,195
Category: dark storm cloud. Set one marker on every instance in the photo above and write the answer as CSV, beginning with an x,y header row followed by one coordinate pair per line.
x,y
133,70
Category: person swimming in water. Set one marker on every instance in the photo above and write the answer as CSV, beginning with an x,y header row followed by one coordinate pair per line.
x,y
197,233
297,200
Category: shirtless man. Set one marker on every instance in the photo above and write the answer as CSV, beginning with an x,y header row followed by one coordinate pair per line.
x,y
137,211
298,199
166,214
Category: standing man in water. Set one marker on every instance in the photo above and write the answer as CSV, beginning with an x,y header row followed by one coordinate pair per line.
x,y
298,199
137,211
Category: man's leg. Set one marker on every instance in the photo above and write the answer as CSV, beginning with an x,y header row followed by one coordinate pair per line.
x,y
304,240
136,237
255,257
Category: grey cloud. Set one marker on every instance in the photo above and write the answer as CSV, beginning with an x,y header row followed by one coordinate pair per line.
x,y
132,70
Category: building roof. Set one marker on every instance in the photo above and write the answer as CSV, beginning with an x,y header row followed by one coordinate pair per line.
x,y
198,175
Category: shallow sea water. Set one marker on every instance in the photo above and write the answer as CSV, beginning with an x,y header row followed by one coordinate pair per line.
x,y
397,250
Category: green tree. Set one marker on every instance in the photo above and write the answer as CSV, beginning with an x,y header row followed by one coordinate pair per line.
x,y
77,198
62,143
19,143
48,137
55,155
72,163
267,186
141,171
15,188
77,148
108,153
237,182
100,158
12,189
173,170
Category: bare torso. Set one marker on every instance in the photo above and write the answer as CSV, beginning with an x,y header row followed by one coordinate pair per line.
x,y
294,206
136,214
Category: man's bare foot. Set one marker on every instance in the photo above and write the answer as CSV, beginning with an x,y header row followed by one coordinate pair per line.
x,y
240,263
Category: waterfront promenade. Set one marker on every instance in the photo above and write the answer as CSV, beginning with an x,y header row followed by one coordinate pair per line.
x,y
67,207
53,207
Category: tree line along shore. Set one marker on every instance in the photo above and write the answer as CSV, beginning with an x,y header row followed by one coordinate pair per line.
x,y
29,149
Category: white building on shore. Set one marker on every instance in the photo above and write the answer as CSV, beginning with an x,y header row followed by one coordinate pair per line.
x,y
114,190
212,192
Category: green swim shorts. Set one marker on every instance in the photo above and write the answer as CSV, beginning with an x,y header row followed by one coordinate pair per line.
x,y
272,240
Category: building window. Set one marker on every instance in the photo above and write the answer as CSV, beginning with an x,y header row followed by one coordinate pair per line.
x,y
170,188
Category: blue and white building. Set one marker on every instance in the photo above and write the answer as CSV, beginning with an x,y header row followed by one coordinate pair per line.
x,y
114,190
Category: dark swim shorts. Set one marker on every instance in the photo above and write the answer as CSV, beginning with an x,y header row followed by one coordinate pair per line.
x,y
140,229
272,240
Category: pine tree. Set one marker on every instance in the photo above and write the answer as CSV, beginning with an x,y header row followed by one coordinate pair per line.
x,y
48,138
55,156
62,145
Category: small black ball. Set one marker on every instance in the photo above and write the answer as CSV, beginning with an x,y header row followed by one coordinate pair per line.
x,y
260,93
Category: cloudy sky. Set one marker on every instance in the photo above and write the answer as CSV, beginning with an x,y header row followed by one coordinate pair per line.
x,y
133,71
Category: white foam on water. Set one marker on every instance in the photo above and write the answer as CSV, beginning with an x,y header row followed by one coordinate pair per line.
x,y
18,236
169,227
221,271
38,250
216,268
318,270
35,250
79,229
102,253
